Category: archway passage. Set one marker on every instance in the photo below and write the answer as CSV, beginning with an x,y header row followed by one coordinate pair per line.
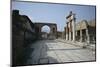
x,y
50,31
45,30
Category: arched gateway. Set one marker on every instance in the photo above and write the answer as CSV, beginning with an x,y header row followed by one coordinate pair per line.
x,y
51,35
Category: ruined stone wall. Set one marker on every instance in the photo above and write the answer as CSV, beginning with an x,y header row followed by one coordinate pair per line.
x,y
86,31
22,35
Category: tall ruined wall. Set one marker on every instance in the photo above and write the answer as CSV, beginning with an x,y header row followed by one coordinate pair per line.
x,y
22,35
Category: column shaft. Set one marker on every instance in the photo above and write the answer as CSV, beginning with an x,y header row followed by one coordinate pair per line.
x,y
70,36
87,35
67,31
73,29
81,36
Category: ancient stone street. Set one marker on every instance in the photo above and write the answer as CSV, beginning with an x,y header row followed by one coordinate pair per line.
x,y
58,34
54,51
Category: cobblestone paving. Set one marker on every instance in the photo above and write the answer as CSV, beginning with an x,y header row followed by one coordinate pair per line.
x,y
52,51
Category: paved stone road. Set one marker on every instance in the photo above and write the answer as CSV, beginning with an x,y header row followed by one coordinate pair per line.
x,y
52,51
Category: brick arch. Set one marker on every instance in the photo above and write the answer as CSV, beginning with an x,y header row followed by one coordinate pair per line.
x,y
52,26
83,24
45,26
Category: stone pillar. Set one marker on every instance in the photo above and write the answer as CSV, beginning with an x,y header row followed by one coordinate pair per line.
x,y
70,36
87,35
75,33
73,28
70,29
67,31
81,36
66,36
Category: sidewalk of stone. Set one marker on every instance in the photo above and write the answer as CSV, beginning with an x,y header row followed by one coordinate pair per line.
x,y
55,51
79,44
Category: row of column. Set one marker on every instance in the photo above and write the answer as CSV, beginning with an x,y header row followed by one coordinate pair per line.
x,y
70,29
87,39
70,34
82,35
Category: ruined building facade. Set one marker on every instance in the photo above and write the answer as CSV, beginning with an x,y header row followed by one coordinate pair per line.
x,y
84,31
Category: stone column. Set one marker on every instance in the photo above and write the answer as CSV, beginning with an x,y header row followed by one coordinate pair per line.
x,y
75,33
87,35
70,36
73,26
66,34
70,29
81,36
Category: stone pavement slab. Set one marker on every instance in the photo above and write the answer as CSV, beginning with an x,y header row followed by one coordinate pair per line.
x,y
52,51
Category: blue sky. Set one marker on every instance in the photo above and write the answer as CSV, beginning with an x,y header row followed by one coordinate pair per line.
x,y
53,13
